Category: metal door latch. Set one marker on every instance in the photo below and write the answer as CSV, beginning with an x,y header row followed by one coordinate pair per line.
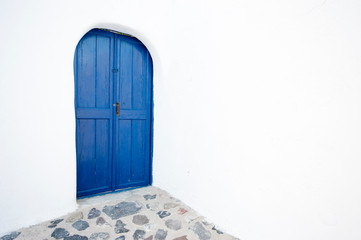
x,y
117,110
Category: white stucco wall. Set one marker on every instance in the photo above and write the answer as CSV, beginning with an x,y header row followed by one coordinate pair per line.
x,y
257,110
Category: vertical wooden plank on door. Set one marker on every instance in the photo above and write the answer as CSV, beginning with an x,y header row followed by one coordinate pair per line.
x,y
123,156
86,127
103,92
138,102
149,107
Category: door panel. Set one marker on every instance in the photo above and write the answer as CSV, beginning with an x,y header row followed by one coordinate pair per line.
x,y
86,55
138,156
102,155
93,154
94,66
132,153
85,141
124,154
139,77
103,72
124,90
113,150
93,102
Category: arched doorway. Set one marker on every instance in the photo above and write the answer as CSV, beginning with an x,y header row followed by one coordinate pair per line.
x,y
113,105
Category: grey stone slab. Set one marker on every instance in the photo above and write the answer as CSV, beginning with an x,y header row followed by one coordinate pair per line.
x,y
10,236
76,237
202,233
101,221
80,225
121,209
149,196
138,234
60,233
160,235
149,238
140,219
99,236
173,224
55,223
163,214
120,238
93,213
120,227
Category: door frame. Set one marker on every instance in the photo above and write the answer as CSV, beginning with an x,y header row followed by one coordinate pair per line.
x,y
151,134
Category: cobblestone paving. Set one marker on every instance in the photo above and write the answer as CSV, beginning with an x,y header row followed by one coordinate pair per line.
x,y
142,214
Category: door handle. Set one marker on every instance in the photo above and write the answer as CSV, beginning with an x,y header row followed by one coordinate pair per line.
x,y
117,109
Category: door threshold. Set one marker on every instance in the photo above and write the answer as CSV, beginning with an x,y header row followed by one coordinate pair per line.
x,y
119,194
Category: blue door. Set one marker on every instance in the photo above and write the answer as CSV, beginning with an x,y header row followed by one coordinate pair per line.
x,y
113,82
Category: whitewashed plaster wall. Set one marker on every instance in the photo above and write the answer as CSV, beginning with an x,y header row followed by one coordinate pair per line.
x,y
257,110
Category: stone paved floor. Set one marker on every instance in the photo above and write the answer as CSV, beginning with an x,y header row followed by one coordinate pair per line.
x,y
146,213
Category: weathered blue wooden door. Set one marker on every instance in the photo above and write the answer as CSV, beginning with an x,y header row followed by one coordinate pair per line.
x,y
113,81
